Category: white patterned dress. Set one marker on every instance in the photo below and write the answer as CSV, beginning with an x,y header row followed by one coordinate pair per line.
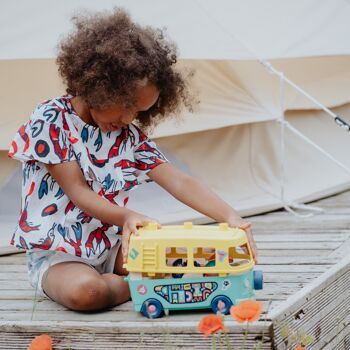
x,y
113,163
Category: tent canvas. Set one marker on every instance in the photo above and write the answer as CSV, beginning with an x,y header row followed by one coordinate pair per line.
x,y
232,142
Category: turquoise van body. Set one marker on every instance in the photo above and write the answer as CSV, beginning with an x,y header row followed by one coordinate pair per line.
x,y
153,296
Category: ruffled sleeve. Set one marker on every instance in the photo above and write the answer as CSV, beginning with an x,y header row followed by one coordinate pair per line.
x,y
147,156
42,139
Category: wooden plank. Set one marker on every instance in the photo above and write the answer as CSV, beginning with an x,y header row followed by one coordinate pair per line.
x,y
299,245
318,306
146,325
342,251
321,317
286,260
294,253
292,268
150,334
18,259
331,223
10,276
330,328
13,268
340,339
10,250
307,237
275,277
295,301
137,340
19,295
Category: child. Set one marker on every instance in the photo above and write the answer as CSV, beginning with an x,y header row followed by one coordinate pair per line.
x,y
82,155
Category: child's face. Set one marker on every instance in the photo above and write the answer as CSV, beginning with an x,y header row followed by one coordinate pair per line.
x,y
117,116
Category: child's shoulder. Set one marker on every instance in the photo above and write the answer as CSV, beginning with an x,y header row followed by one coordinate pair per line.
x,y
50,109
134,129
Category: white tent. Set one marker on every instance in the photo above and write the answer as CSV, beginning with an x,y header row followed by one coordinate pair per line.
x,y
241,52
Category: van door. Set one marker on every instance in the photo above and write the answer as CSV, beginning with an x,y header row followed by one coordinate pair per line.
x,y
149,259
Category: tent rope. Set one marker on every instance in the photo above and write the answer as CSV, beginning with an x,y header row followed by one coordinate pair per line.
x,y
313,144
338,120
290,206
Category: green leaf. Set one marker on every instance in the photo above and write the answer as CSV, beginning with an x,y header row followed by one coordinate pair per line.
x,y
284,332
307,340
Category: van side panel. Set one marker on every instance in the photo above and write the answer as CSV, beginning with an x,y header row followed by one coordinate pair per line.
x,y
191,293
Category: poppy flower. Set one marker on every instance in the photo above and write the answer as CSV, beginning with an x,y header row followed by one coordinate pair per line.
x,y
299,347
211,324
246,310
41,342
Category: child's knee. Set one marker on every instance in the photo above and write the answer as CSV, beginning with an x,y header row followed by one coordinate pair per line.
x,y
124,292
89,294
119,288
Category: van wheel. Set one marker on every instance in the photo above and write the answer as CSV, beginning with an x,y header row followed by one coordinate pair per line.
x,y
152,308
221,304
258,279
179,263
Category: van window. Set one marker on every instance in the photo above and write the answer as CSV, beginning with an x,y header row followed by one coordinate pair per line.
x,y
176,256
204,256
239,255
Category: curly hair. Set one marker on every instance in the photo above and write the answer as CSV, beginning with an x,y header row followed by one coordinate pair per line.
x,y
106,56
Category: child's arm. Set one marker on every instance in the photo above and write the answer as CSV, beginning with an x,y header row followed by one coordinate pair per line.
x,y
199,197
70,178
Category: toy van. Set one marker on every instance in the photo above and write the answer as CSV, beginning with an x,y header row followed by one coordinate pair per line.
x,y
190,267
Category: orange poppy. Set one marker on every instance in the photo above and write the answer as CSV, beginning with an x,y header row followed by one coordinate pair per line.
x,y
299,347
41,342
246,310
211,324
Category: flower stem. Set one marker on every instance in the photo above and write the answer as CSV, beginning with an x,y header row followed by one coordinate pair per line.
x,y
228,344
245,335
213,343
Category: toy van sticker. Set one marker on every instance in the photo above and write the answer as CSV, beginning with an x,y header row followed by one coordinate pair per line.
x,y
133,253
221,255
187,292
226,284
247,284
141,289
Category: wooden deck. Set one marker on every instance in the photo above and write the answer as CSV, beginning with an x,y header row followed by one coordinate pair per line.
x,y
306,265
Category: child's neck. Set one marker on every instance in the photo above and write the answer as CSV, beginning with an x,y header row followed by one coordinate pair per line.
x,y
82,110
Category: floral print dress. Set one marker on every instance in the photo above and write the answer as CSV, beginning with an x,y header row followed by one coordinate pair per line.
x,y
113,163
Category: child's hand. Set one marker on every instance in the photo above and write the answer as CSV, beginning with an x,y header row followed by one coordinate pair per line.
x,y
247,227
131,223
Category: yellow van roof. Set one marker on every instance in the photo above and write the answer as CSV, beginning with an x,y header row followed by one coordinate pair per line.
x,y
187,230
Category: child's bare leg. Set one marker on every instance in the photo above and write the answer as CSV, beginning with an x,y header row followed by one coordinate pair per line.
x,y
118,265
116,281
80,287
